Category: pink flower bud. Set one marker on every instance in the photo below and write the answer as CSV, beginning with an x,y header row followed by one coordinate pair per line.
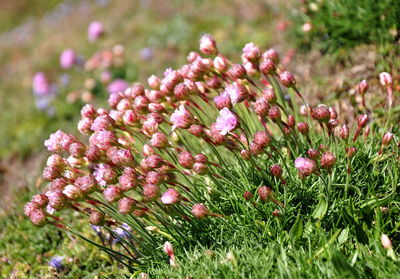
x,y
247,195
201,158
200,168
151,192
154,82
94,154
305,166
154,161
363,87
313,154
181,118
265,193
291,121
333,113
87,184
328,160
181,91
77,149
96,218
126,205
171,196
261,107
58,184
186,159
50,173
31,206
127,182
269,95
256,149
168,249
220,63
38,217
57,199
246,154
287,79
386,79
67,59
344,132
208,45
350,151
159,140
268,67
274,114
237,71
73,192
112,193
386,242
262,138
214,82
103,139
251,52
154,177
271,54
362,120
387,138
276,170
196,130
223,100
114,99
84,126
200,211
88,111
41,200
321,114
332,123
95,30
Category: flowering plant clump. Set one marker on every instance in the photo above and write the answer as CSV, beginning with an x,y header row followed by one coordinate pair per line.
x,y
216,146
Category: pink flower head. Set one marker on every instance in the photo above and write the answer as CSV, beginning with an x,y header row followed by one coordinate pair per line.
x,y
104,174
67,59
223,100
181,118
227,121
208,44
237,93
118,85
305,166
95,30
54,143
386,79
171,196
251,52
40,84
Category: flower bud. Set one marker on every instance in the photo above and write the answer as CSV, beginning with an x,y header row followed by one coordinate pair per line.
x,y
333,113
256,149
151,192
247,195
344,132
271,54
200,168
200,211
77,149
112,193
269,95
220,63
328,160
154,82
96,218
126,205
287,79
387,138
58,184
305,166
362,120
265,193
246,154
201,158
350,151
313,154
87,184
276,170
38,217
386,242
41,200
321,114
181,91
303,128
168,249
274,113
73,192
363,87
154,161
171,196
237,72
291,121
386,79
261,107
251,52
31,206
267,67
51,173
262,138
84,126
57,199
159,140
208,45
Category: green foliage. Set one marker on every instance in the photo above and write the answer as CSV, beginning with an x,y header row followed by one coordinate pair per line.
x,y
345,24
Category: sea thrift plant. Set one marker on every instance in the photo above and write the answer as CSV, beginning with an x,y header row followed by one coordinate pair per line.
x,y
213,144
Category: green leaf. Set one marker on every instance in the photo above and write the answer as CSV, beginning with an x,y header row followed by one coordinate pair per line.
x,y
344,269
321,208
297,230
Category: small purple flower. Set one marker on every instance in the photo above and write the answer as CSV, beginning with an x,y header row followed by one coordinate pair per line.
x,y
227,121
97,230
146,53
40,84
122,232
95,30
56,262
67,59
118,85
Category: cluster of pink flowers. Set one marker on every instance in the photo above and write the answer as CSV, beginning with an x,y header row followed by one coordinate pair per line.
x,y
146,154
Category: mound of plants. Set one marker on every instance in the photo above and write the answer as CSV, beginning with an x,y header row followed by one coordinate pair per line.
x,y
220,155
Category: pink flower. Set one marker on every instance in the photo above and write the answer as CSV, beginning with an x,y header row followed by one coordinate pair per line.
x,y
227,121
181,118
67,59
234,94
171,196
386,79
54,143
40,84
118,85
95,30
305,166
223,100
208,44
251,52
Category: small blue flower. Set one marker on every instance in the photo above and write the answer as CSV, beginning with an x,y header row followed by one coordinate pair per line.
x,y
123,232
56,262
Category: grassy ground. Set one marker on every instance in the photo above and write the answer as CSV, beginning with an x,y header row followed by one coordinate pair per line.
x,y
171,29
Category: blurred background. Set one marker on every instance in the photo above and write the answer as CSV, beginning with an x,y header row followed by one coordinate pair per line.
x,y
57,55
